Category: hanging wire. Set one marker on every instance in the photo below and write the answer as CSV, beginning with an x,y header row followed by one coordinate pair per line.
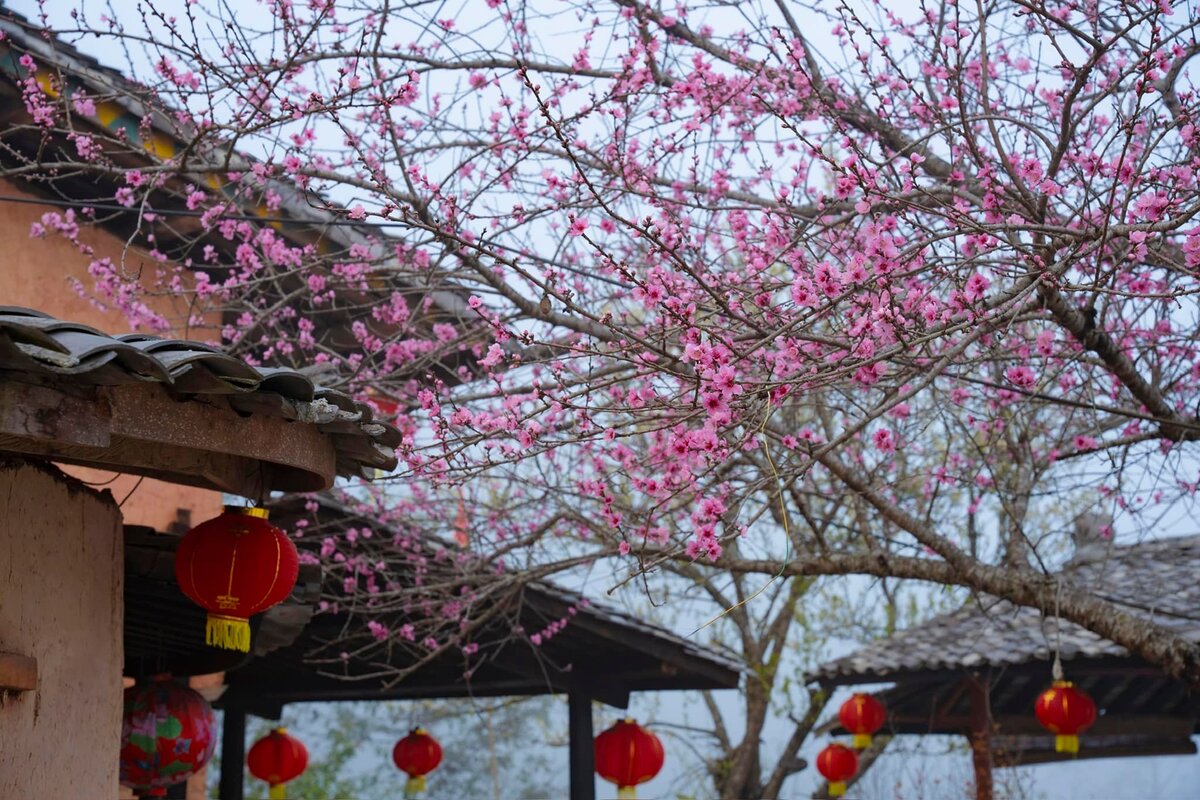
x,y
1056,670
136,486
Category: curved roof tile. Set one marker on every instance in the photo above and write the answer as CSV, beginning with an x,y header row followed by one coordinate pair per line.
x,y
34,343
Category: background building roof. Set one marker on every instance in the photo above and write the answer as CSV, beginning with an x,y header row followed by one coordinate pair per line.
x,y
1156,580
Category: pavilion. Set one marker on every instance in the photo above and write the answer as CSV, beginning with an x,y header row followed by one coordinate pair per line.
x,y
975,672
602,654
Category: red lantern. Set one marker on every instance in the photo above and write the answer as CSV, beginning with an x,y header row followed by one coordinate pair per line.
x,y
1066,712
862,715
166,736
627,754
417,754
838,764
277,758
234,566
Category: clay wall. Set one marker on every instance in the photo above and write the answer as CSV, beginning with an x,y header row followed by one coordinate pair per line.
x,y
61,568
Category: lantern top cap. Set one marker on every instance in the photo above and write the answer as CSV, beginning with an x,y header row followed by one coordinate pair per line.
x,y
248,511
280,730
1062,684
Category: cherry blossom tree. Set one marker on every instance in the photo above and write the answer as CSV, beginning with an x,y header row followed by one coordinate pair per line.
x,y
768,289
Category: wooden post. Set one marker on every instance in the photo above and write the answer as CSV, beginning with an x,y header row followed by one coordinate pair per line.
x,y
582,757
980,736
233,754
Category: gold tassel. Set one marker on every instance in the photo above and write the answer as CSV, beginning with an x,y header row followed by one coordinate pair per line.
x,y
861,741
1066,744
228,633
837,789
626,793
278,792
414,785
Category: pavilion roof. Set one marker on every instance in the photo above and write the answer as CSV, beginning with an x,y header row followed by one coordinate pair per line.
x,y
1155,580
601,651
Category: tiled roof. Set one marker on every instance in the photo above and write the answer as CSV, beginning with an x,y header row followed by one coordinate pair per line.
x,y
35,344
1154,580
630,627
619,619
135,119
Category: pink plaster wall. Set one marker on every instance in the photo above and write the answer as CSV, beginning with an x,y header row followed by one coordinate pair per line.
x,y
61,574
38,273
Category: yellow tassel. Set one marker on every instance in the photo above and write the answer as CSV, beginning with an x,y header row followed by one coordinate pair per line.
x,y
1066,744
228,633
278,792
861,741
414,785
626,793
837,789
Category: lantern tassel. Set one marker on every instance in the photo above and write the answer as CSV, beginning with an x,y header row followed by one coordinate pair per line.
x,y
861,741
1066,744
228,633
278,791
626,793
837,789
414,785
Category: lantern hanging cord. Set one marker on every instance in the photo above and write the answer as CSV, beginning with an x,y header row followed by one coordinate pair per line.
x,y
783,513
1056,670
136,486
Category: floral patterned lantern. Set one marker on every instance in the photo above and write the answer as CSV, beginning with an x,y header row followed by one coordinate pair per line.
x,y
234,566
627,754
166,736
1066,712
417,754
277,758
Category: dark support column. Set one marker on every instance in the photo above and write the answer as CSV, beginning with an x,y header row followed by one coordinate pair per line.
x,y
981,736
233,754
582,757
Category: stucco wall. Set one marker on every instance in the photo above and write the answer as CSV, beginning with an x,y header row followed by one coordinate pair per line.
x,y
41,274
61,568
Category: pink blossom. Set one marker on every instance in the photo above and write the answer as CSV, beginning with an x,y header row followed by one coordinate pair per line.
x,y
1021,376
495,355
977,284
